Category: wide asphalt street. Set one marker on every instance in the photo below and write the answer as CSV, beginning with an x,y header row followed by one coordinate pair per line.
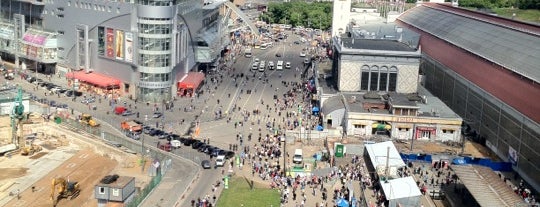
x,y
230,89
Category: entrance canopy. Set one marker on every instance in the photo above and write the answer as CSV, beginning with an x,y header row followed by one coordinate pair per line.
x,y
191,80
94,78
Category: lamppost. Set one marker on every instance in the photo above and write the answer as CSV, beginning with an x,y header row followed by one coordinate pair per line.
x,y
284,155
142,144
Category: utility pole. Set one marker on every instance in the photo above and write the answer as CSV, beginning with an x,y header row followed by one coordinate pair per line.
x,y
284,155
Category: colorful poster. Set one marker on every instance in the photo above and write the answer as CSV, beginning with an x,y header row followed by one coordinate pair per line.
x,y
119,49
129,47
110,43
512,155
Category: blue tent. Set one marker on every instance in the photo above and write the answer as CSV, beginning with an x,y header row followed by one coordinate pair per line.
x,y
316,109
459,161
319,128
353,202
342,203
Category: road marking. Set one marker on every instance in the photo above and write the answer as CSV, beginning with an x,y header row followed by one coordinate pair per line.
x,y
71,165
83,156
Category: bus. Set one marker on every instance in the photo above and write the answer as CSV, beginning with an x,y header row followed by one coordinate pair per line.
x,y
247,53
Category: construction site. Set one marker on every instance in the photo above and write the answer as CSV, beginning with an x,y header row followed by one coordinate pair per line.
x,y
46,164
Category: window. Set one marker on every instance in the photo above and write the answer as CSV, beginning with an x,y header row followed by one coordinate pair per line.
x,y
60,32
374,78
448,131
359,126
154,60
60,15
101,190
115,192
101,41
383,78
155,77
392,80
364,83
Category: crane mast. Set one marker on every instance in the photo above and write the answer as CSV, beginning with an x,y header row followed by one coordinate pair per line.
x,y
17,117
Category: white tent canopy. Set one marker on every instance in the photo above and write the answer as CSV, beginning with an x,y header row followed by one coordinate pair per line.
x,y
400,188
380,153
401,192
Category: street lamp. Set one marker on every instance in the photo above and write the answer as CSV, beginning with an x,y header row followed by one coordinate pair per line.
x,y
142,143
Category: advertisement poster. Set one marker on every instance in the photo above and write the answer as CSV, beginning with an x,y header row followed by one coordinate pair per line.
x,y
512,155
119,45
110,43
129,47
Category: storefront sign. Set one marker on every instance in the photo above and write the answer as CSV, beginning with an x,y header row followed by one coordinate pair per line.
x,y
6,33
154,84
405,119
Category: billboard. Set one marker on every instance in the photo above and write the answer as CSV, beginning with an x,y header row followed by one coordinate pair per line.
x,y
129,47
110,43
119,49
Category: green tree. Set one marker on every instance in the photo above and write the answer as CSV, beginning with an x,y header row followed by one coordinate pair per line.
x,y
315,15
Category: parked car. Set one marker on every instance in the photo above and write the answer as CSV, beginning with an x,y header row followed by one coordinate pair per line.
x,y
206,164
157,114
197,144
88,100
63,106
153,132
189,142
127,113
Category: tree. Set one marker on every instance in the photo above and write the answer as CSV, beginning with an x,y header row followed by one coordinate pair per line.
x,y
316,14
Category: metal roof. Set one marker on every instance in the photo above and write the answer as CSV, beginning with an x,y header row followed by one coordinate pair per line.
x,y
485,186
512,49
331,104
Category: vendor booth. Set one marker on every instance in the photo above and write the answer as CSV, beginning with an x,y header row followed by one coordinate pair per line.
x,y
188,85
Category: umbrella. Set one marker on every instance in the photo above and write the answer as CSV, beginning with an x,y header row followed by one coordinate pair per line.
x,y
342,203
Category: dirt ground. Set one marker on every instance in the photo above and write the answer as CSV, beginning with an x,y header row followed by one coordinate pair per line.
x,y
85,167
471,149
90,161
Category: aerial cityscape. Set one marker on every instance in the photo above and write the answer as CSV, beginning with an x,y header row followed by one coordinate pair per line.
x,y
269,103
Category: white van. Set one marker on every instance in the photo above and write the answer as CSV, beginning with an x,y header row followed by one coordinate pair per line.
x,y
220,161
298,157
279,65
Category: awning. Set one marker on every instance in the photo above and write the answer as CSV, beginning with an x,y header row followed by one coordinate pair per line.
x,y
94,78
191,80
381,126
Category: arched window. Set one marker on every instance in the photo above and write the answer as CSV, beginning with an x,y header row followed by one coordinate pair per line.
x,y
383,78
364,77
392,78
374,78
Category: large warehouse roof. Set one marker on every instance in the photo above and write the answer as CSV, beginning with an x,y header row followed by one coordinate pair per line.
x,y
512,49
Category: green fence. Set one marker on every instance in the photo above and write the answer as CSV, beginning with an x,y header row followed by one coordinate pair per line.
x,y
139,198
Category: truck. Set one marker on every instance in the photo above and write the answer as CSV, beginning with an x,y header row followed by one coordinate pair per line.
x,y
131,126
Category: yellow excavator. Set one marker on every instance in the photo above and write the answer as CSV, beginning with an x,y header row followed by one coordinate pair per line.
x,y
88,120
66,189
30,148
